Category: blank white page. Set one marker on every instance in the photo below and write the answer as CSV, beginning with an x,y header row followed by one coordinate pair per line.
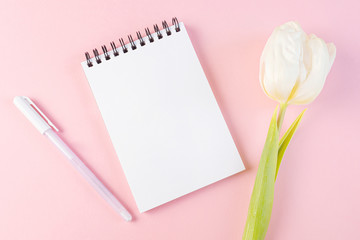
x,y
163,119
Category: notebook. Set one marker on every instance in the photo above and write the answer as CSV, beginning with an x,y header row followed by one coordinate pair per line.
x,y
162,117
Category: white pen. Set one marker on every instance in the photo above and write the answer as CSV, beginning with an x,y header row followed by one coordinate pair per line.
x,y
46,127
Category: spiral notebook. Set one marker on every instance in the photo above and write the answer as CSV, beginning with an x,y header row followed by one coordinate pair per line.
x,y
161,115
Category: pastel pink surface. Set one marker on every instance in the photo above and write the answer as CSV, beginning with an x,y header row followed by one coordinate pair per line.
x,y
42,197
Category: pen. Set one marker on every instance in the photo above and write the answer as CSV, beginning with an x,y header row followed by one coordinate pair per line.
x,y
47,128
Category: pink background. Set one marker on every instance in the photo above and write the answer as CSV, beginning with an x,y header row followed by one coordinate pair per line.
x,y
42,197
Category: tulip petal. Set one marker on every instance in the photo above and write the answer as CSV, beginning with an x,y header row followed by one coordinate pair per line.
x,y
332,53
321,58
280,61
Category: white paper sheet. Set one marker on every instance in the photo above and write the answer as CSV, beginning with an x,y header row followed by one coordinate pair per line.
x,y
163,119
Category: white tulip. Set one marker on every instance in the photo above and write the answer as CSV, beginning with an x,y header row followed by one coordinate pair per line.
x,y
294,65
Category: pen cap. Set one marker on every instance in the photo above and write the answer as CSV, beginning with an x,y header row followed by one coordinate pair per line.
x,y
34,114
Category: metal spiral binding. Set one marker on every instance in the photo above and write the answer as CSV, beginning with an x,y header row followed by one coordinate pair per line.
x,y
157,30
166,27
115,51
176,23
88,61
124,48
131,41
147,31
142,42
96,54
105,51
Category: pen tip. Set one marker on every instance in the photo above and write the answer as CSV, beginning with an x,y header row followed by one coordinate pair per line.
x,y
127,217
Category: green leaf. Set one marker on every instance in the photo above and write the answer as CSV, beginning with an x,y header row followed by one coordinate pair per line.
x,y
262,197
285,140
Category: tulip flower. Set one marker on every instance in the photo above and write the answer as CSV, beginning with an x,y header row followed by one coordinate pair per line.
x,y
294,65
293,70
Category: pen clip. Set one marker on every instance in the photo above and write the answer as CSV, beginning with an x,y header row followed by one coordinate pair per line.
x,y
42,115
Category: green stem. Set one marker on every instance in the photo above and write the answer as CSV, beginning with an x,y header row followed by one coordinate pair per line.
x,y
281,115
